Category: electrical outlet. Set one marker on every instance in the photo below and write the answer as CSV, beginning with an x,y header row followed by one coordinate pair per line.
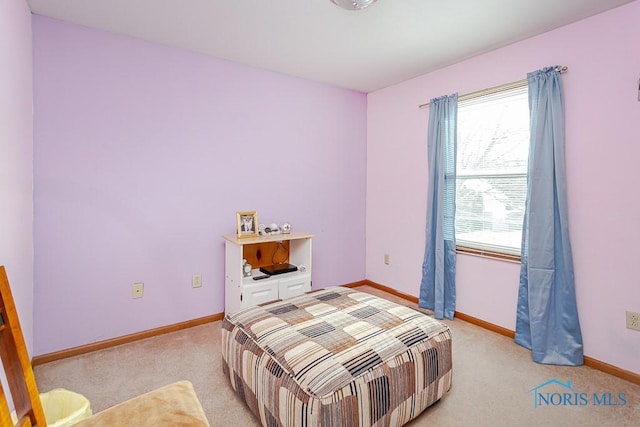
x,y
137,290
633,320
196,281
386,259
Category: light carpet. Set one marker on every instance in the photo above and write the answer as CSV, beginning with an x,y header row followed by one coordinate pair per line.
x,y
493,381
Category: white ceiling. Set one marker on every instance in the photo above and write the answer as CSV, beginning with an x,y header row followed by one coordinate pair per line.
x,y
391,41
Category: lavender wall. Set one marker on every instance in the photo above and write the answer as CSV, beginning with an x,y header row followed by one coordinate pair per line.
x,y
16,161
143,155
601,94
16,157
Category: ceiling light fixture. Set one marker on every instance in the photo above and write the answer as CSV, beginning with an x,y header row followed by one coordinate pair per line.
x,y
353,4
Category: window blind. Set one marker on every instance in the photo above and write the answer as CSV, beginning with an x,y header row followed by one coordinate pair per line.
x,y
491,169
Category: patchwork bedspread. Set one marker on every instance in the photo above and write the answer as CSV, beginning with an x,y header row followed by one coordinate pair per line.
x,y
336,357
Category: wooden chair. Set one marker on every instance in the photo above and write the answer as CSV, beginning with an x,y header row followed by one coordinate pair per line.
x,y
172,405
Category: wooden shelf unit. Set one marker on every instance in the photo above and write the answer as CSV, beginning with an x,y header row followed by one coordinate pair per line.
x,y
242,292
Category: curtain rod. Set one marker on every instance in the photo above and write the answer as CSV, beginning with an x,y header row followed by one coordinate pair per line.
x,y
495,89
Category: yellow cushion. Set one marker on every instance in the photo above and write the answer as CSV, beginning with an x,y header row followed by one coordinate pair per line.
x,y
172,405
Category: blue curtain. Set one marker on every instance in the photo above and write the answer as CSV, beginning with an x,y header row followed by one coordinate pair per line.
x,y
547,315
437,289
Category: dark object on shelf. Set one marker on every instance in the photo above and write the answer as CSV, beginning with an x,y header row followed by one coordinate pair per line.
x,y
278,269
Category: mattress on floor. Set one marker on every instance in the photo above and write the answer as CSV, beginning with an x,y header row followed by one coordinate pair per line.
x,y
336,357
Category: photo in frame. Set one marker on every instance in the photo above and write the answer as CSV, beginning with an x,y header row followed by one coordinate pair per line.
x,y
247,223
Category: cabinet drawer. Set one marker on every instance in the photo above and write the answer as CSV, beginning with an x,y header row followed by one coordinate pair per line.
x,y
293,286
258,294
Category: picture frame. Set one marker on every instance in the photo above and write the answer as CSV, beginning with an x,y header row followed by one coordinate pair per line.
x,y
247,224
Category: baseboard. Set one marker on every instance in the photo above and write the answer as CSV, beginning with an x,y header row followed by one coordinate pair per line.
x,y
484,324
612,370
388,290
356,284
588,361
75,351
100,345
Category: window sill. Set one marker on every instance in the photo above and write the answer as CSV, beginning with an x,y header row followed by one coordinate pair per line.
x,y
484,253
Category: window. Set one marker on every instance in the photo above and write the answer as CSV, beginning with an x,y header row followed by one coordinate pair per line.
x,y
491,172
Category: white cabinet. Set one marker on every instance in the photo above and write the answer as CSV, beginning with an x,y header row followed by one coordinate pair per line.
x,y
241,292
